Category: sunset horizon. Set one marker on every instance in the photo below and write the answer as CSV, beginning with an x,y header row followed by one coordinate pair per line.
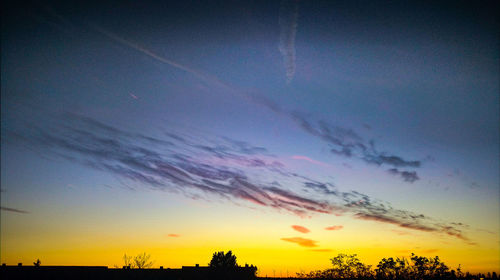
x,y
286,132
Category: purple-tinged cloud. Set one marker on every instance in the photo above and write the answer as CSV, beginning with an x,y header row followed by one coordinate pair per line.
x,y
218,168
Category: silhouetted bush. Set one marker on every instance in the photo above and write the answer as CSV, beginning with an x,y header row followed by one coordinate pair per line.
x,y
416,268
221,260
224,266
140,261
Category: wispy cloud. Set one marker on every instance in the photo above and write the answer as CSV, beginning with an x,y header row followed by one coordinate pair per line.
x,y
325,188
300,229
14,210
334,228
175,163
344,141
408,176
288,15
308,159
304,242
348,143
173,235
218,168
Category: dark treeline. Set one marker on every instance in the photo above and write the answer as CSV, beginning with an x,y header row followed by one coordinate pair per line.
x,y
223,266
415,268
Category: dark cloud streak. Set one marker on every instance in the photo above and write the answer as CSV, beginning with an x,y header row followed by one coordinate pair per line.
x,y
14,210
222,168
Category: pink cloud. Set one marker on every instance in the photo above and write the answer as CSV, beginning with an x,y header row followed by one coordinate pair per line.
x,y
173,235
300,229
304,242
308,159
334,228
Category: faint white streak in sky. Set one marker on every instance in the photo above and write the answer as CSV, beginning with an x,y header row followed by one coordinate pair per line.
x,y
289,11
118,39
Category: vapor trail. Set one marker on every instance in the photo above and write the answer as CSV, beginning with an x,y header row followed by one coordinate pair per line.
x,y
289,12
157,57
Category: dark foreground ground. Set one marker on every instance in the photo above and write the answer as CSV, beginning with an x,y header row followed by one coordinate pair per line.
x,y
103,272
184,273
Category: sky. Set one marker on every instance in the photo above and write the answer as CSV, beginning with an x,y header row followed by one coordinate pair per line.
x,y
287,132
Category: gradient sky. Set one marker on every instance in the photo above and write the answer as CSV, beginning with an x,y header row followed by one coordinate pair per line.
x,y
287,132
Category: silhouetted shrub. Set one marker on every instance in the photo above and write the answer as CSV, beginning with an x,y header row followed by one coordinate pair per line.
x,y
221,260
140,261
417,267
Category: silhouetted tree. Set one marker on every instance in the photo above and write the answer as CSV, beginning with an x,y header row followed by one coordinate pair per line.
x,y
348,266
393,269
460,274
37,263
143,260
140,261
417,267
344,267
221,260
127,261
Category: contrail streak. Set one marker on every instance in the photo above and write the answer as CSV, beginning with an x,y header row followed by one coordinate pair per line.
x,y
289,11
157,57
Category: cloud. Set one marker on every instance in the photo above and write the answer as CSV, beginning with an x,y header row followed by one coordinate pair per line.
x,y
368,209
340,138
324,188
334,228
298,157
173,235
289,11
14,210
176,163
348,143
391,160
300,229
344,141
408,176
416,224
304,242
201,167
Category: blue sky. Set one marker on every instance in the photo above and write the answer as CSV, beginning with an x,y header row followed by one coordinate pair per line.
x,y
335,108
